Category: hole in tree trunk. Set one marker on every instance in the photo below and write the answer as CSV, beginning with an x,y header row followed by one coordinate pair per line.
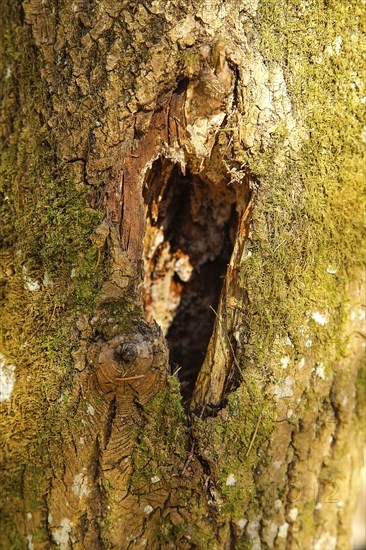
x,y
191,228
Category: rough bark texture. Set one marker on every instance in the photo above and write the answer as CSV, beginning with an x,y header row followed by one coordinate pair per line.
x,y
248,115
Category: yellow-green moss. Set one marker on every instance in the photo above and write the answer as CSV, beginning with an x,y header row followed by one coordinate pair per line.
x,y
49,275
308,216
161,447
308,219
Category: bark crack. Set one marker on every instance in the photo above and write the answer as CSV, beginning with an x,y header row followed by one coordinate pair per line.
x,y
111,415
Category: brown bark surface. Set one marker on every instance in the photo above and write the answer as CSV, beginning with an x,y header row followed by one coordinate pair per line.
x,y
142,103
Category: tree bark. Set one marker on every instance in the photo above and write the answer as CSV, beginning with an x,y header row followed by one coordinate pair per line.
x,y
189,175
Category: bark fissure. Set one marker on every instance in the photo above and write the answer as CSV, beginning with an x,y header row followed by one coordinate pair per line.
x,y
110,419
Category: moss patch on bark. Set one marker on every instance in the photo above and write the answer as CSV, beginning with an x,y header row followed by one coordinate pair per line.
x,y
49,277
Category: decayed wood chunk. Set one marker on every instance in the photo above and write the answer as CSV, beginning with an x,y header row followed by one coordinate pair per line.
x,y
162,267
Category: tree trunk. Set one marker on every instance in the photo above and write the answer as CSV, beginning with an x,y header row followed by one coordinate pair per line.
x,y
182,297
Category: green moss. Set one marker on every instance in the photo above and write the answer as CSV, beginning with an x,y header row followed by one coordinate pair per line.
x,y
244,544
49,272
308,216
161,442
10,537
118,317
162,451
170,533
231,443
308,226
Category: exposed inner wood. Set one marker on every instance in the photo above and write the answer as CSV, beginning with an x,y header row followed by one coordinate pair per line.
x,y
192,222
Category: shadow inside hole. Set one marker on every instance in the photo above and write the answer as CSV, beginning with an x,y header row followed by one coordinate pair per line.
x,y
199,218
190,332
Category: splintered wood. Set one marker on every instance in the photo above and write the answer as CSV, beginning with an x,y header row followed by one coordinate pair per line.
x,y
191,227
165,273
